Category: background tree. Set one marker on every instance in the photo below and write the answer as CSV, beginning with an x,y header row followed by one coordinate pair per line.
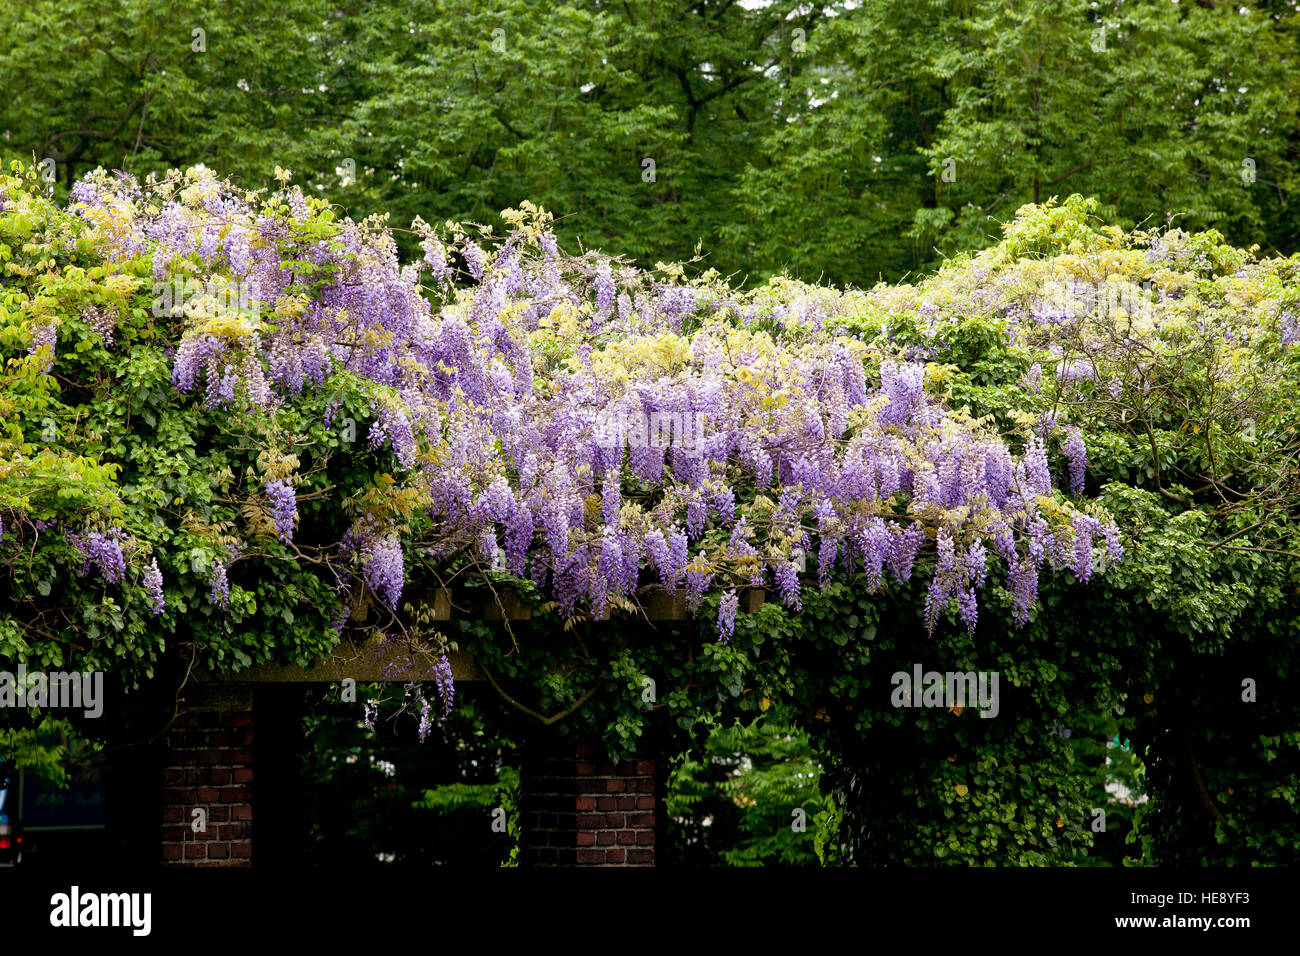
x,y
848,142
134,85
915,129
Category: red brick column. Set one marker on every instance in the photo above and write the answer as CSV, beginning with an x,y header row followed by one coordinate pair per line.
x,y
579,809
208,766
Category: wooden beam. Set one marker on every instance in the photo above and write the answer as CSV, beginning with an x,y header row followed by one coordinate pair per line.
x,y
478,604
373,662
507,605
379,660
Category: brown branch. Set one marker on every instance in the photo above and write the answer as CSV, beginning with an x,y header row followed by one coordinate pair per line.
x,y
558,716
94,133
1232,547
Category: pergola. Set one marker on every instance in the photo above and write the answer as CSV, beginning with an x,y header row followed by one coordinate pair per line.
x,y
577,807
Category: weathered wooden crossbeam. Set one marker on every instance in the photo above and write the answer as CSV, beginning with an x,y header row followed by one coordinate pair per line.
x,y
380,660
505,604
362,663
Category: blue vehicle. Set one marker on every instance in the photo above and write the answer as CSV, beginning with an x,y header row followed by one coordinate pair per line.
x,y
11,841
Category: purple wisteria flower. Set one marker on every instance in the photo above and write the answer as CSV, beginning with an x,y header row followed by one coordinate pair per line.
x,y
101,321
1290,328
727,608
284,508
102,550
219,587
604,290
1038,478
383,569
1078,370
153,586
393,426
435,257
426,720
45,335
1077,452
474,259
787,583
446,686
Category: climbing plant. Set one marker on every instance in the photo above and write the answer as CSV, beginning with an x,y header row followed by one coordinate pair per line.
x,y
238,428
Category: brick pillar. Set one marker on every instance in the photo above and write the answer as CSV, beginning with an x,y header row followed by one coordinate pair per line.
x,y
579,809
208,765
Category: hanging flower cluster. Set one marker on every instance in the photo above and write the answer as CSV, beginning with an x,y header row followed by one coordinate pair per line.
x,y
594,427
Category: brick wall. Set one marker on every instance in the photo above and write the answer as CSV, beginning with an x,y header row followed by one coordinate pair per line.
x,y
579,809
208,765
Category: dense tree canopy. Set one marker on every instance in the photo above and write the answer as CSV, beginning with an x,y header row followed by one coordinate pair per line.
x,y
845,142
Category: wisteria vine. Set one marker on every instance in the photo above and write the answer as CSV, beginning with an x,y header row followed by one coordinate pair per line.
x,y
592,427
